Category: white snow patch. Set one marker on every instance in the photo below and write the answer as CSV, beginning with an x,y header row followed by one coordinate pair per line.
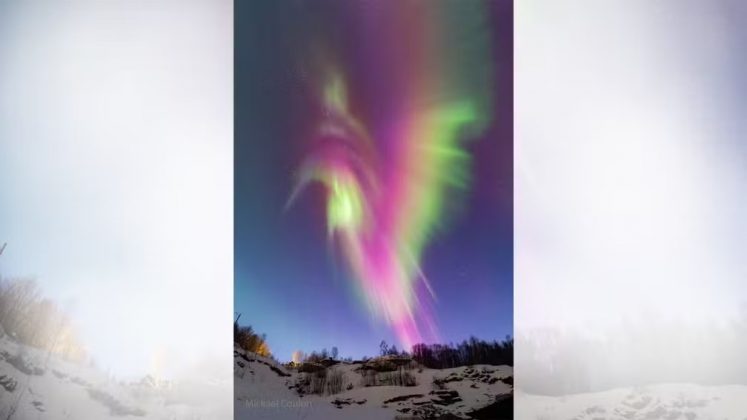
x,y
262,393
34,384
673,401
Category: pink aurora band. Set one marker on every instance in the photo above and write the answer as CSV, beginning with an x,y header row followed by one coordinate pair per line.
x,y
387,195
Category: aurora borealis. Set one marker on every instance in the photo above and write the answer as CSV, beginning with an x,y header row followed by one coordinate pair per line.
x,y
385,141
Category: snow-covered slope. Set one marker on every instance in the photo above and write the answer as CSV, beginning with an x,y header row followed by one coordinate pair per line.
x,y
660,401
35,385
265,390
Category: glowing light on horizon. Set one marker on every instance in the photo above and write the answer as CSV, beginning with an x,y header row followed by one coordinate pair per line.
x,y
390,186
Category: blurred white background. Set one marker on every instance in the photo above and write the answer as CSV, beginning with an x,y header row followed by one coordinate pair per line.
x,y
630,194
116,179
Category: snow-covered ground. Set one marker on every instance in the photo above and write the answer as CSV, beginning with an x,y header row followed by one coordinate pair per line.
x,y
672,401
265,390
34,385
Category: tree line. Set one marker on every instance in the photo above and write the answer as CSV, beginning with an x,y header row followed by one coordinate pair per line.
x,y
469,352
247,339
473,351
36,321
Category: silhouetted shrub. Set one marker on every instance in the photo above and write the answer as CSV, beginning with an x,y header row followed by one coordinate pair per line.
x,y
401,377
380,365
334,381
317,382
321,381
374,374
310,367
35,321
469,352
247,339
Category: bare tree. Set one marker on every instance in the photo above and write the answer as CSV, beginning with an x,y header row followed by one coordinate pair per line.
x,y
384,347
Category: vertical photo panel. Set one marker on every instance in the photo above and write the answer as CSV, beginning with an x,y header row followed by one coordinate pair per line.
x,y
373,209
116,204
630,203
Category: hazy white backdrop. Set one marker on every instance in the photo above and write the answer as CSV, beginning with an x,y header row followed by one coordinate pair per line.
x,y
630,193
116,181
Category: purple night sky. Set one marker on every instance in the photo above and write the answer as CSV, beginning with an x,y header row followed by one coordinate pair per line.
x,y
290,282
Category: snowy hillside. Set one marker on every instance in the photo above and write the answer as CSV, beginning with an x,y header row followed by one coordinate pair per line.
x,y
34,385
265,390
660,401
